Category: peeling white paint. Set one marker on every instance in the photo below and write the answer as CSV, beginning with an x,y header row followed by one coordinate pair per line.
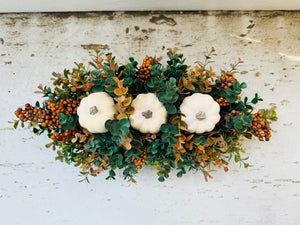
x,y
35,189
290,57
245,38
149,5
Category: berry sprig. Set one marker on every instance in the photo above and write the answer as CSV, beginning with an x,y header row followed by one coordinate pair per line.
x,y
49,117
260,127
68,106
64,137
145,72
29,113
227,80
139,162
222,102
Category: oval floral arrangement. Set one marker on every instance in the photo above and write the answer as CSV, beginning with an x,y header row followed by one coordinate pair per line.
x,y
124,116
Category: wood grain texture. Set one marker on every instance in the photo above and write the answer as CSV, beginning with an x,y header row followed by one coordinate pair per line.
x,y
35,189
148,5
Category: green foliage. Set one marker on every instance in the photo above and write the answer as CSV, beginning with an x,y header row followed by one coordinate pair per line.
x,y
155,147
171,109
129,74
116,159
176,67
111,175
256,99
103,144
201,140
68,121
269,114
118,129
168,94
167,137
239,122
98,81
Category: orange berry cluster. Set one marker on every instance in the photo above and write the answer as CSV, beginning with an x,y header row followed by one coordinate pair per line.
x,y
64,137
145,69
29,113
139,162
48,118
51,119
68,106
227,80
233,113
260,127
222,102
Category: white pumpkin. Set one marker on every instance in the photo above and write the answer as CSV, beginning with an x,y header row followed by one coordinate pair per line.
x,y
149,113
94,110
201,113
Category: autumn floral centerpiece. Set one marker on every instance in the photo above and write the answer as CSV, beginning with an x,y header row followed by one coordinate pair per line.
x,y
109,116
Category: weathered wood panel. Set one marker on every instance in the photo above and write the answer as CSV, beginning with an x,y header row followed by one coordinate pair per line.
x,y
35,189
125,5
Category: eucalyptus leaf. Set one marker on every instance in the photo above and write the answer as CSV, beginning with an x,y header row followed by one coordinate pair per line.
x,y
98,89
171,109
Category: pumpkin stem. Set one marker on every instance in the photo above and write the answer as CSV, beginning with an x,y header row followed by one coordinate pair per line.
x,y
147,114
93,110
201,115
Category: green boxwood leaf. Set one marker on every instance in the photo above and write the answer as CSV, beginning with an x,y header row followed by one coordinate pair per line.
x,y
256,99
249,107
231,98
171,109
229,122
238,123
201,140
113,126
110,80
96,73
112,175
67,121
116,159
179,174
164,128
169,129
243,85
161,179
247,119
240,106
98,89
150,84
125,123
35,130
110,89
248,135
172,80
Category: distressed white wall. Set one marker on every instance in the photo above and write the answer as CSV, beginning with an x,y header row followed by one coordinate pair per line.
x,y
112,5
35,189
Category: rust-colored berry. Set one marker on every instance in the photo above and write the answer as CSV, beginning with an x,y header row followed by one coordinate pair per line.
x,y
139,162
227,80
145,72
260,127
49,117
222,102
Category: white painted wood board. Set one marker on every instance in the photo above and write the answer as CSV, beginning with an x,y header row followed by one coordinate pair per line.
x,y
35,189
148,5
